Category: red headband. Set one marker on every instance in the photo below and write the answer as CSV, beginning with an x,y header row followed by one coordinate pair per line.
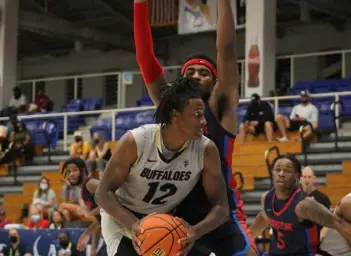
x,y
199,62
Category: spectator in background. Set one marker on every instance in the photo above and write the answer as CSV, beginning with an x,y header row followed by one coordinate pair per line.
x,y
301,115
4,141
99,155
44,197
66,246
18,102
57,220
80,147
20,146
3,219
71,206
41,103
36,219
308,182
259,118
14,247
12,123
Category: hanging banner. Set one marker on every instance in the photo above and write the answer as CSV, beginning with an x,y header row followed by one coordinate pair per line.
x,y
196,16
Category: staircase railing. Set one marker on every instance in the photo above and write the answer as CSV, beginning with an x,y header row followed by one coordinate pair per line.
x,y
304,141
48,134
336,119
269,165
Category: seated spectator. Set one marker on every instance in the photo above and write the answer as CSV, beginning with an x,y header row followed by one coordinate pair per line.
x,y
71,206
44,197
18,102
14,247
4,142
3,219
80,147
36,219
99,155
259,118
57,220
301,115
66,246
41,103
12,123
20,146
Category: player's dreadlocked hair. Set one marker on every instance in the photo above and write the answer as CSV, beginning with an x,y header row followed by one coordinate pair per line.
x,y
292,158
175,96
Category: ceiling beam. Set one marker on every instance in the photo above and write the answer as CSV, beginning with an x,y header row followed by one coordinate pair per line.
x,y
327,7
44,24
118,15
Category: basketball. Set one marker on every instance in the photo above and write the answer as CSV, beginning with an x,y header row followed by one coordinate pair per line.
x,y
160,236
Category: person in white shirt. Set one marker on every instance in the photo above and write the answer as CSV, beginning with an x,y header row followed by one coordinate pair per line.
x,y
301,115
18,102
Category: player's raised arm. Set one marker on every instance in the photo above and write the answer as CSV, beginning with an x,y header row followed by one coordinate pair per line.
x,y
261,220
225,96
150,67
114,176
215,190
309,209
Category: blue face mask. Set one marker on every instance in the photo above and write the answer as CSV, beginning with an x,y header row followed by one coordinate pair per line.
x,y
35,218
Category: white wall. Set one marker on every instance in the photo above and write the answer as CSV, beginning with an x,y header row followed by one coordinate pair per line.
x,y
298,40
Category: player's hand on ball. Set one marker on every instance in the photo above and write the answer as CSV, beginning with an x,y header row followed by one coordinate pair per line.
x,y
136,230
187,242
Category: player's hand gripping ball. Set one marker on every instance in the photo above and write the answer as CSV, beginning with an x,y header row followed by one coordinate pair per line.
x,y
161,235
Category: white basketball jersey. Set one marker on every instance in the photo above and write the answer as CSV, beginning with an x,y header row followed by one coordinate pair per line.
x,y
334,243
157,184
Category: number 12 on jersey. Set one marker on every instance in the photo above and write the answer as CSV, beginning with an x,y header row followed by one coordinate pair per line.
x,y
169,189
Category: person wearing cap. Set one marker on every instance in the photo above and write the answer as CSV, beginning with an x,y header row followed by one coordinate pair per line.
x,y
259,118
80,147
301,115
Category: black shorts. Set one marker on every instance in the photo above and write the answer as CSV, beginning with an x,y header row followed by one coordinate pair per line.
x,y
231,238
260,127
296,124
125,248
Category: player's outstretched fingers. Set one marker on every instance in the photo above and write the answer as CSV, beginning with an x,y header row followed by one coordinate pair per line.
x,y
188,241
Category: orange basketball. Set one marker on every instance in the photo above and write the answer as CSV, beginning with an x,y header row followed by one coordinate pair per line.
x,y
160,236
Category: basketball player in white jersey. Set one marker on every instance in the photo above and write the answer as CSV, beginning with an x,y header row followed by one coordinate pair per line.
x,y
154,167
333,243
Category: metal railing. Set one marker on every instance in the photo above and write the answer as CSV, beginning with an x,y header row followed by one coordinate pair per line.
x,y
121,84
114,112
336,118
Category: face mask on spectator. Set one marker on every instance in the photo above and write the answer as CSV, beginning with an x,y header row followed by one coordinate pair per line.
x,y
35,218
64,243
43,186
13,239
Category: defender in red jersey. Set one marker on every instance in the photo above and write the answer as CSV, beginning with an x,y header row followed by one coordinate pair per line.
x,y
292,215
222,100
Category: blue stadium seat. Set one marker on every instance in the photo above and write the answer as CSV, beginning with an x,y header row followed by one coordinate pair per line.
x,y
145,101
285,110
303,85
326,122
92,104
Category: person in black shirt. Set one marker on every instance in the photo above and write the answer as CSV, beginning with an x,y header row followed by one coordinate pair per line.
x,y
66,247
15,248
308,180
259,118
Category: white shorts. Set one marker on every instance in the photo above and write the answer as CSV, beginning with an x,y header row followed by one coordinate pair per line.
x,y
112,232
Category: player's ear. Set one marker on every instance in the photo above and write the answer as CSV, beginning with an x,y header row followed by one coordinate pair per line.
x,y
174,115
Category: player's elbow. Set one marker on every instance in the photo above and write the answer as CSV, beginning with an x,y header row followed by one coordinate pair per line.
x,y
224,212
